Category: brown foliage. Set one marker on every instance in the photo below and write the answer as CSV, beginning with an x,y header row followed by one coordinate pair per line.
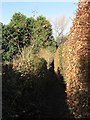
x,y
56,61
76,62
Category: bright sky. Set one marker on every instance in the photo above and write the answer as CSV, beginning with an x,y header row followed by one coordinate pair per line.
x,y
50,10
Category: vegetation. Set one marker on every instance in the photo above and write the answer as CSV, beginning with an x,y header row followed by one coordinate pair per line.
x,y
75,62
26,70
32,87
59,27
22,31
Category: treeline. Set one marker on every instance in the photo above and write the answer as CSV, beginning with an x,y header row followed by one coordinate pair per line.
x,y
23,31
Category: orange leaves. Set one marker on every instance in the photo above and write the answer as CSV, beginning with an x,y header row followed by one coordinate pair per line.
x,y
75,61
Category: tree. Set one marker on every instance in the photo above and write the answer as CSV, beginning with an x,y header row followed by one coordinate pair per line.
x,y
13,36
22,31
1,24
18,20
42,33
59,26
10,42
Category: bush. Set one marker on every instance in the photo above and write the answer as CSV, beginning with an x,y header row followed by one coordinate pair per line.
x,y
28,63
47,55
23,85
60,58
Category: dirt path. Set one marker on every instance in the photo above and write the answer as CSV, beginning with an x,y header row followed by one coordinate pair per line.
x,y
54,103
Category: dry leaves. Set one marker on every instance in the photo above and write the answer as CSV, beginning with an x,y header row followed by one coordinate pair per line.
x,y
76,62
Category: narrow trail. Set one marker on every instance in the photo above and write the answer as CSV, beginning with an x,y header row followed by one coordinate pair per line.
x,y
47,102
54,103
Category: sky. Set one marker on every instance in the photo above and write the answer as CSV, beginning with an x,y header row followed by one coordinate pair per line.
x,y
50,10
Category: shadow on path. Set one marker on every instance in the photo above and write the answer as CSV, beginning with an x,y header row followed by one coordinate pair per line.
x,y
45,100
54,103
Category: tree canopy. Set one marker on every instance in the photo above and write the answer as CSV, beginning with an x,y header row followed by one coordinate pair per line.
x,y
23,31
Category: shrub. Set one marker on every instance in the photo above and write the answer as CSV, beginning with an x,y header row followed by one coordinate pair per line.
x,y
47,55
28,63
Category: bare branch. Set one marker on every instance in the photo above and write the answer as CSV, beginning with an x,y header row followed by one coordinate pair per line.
x,y
59,26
